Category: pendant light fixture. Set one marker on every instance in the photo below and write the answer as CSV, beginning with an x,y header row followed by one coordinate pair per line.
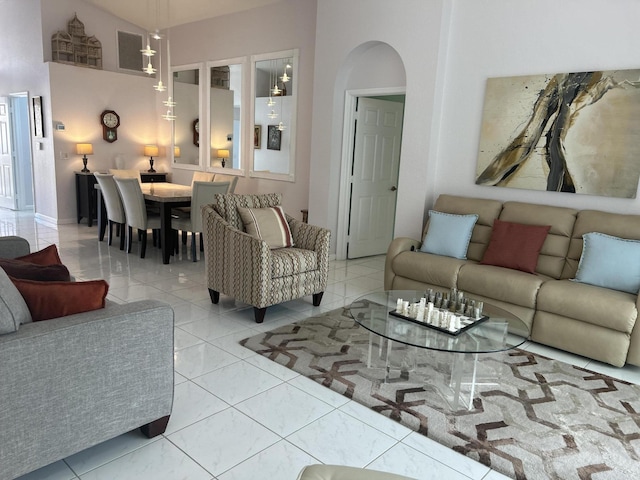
x,y
156,35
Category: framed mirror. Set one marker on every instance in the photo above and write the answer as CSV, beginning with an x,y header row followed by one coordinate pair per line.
x,y
187,110
225,114
274,92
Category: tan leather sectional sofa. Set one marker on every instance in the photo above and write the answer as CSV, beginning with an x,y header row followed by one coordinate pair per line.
x,y
587,320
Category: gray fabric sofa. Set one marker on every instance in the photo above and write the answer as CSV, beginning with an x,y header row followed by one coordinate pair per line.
x,y
70,383
587,320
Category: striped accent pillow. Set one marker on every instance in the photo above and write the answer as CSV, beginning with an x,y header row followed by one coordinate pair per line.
x,y
268,224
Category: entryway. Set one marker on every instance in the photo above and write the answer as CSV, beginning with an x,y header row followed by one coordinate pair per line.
x,y
16,175
370,165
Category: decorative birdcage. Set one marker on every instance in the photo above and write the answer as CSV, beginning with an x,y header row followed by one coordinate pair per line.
x,y
75,47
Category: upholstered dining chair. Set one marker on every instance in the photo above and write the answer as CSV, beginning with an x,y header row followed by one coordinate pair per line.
x,y
232,179
120,173
113,205
256,270
203,193
200,176
136,212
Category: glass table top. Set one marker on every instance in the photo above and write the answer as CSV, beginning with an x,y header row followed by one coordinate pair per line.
x,y
501,331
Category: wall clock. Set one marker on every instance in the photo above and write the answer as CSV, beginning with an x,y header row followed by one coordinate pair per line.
x,y
196,132
110,122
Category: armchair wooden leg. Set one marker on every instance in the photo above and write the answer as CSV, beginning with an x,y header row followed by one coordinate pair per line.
x,y
193,246
155,428
317,298
184,237
215,296
259,314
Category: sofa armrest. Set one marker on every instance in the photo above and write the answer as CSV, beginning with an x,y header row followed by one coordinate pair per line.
x,y
397,246
72,382
12,247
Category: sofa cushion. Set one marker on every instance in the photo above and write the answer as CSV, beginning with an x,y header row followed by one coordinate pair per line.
x,y
551,260
487,211
33,271
46,256
615,224
448,234
268,224
13,308
292,261
48,300
428,268
600,306
509,286
515,245
610,262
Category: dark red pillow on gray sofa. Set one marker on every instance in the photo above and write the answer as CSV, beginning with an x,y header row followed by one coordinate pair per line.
x,y
58,299
515,245
46,256
33,271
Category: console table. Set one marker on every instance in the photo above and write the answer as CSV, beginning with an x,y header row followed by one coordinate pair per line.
x,y
146,177
86,200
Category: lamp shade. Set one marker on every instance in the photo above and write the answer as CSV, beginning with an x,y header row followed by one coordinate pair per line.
x,y
151,150
222,153
84,149
176,151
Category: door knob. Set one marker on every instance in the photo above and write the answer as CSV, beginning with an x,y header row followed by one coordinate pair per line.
x,y
394,188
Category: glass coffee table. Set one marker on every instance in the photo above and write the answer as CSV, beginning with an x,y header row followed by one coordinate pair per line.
x,y
500,332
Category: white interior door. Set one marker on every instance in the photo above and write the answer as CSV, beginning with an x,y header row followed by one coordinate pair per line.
x,y
374,182
7,191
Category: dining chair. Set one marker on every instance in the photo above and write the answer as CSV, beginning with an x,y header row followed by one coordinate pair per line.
x,y
113,205
232,179
136,212
118,173
203,193
200,176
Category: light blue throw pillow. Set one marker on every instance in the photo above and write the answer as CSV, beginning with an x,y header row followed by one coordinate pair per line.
x,y
448,234
610,262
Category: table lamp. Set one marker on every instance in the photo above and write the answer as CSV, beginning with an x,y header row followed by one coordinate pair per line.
x,y
150,151
223,154
84,149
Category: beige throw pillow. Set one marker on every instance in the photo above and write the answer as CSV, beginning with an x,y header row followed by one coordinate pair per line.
x,y
268,224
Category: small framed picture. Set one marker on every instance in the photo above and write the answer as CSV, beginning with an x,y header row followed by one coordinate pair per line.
x,y
37,117
257,136
274,137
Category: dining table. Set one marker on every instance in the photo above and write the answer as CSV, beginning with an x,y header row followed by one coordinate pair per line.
x,y
165,196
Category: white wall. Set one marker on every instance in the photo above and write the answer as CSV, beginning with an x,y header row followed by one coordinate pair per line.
x,y
346,33
495,38
281,26
79,96
22,70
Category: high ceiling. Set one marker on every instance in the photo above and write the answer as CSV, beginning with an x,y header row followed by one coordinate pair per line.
x,y
160,14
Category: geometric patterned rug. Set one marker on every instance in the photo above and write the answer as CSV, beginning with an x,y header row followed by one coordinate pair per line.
x,y
543,419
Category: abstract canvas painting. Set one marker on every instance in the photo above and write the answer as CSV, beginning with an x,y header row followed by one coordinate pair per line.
x,y
566,132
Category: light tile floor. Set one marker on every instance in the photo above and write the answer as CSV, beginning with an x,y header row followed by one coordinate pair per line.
x,y
237,415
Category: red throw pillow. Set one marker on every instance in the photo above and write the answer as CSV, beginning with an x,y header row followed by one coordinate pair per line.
x,y
46,256
58,299
515,245
33,271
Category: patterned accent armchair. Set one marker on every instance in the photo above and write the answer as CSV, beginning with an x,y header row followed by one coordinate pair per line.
x,y
244,267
